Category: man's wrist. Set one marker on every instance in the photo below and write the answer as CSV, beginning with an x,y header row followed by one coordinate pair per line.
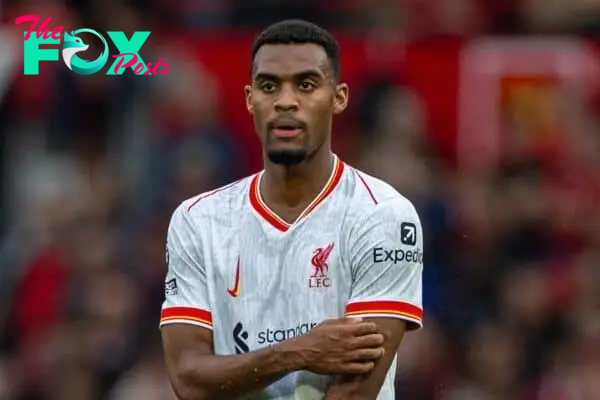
x,y
290,353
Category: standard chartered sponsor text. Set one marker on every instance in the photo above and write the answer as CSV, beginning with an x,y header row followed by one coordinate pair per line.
x,y
270,336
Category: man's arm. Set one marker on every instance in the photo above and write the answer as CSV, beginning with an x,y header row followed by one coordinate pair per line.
x,y
186,328
367,386
344,346
197,374
386,255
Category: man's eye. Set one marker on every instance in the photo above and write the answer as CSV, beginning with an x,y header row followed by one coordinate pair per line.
x,y
267,87
307,85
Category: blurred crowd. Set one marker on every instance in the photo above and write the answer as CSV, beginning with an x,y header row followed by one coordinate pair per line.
x,y
93,166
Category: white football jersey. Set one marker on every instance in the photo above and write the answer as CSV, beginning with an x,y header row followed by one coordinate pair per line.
x,y
255,280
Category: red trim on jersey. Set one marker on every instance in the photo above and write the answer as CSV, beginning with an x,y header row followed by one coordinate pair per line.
x,y
366,186
397,308
277,222
187,314
215,191
264,212
338,171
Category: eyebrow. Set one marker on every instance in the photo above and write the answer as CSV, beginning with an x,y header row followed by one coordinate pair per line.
x,y
309,73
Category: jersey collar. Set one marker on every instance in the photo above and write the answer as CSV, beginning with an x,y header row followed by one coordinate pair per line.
x,y
277,222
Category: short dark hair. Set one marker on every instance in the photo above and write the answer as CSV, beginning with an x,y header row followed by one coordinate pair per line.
x,y
296,31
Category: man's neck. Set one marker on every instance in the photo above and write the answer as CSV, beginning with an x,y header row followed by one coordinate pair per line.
x,y
296,186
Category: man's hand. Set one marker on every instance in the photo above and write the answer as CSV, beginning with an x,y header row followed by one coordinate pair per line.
x,y
344,346
341,346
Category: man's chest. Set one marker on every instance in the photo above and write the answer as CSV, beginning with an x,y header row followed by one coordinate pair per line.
x,y
258,270
284,284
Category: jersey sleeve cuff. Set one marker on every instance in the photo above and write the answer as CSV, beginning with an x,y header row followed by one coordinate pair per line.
x,y
390,309
186,315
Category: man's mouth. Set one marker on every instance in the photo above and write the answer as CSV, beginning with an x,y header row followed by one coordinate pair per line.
x,y
286,132
287,129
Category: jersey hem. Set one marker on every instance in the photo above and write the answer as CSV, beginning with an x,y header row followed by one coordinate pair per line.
x,y
387,308
413,323
186,314
186,322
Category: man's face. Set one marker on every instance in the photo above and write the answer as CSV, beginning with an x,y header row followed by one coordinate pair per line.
x,y
293,97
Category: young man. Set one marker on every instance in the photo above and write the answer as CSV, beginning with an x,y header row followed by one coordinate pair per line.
x,y
266,274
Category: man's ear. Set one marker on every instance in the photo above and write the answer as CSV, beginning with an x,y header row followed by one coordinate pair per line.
x,y
248,92
341,98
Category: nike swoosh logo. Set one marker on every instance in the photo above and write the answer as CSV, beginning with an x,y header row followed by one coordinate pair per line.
x,y
235,291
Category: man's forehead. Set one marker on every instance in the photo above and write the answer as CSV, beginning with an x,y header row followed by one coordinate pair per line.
x,y
290,58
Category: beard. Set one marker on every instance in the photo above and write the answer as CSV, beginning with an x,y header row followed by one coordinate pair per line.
x,y
287,158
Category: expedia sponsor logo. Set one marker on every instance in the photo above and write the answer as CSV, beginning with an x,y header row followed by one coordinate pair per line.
x,y
381,254
408,233
270,336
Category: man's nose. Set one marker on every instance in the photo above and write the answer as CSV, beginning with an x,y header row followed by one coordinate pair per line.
x,y
287,100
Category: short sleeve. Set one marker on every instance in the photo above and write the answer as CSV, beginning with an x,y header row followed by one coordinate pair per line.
x,y
186,288
386,256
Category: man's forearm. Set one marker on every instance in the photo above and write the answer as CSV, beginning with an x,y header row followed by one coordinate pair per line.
x,y
229,377
346,388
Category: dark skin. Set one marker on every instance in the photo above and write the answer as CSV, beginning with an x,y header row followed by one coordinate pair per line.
x,y
367,386
345,346
295,81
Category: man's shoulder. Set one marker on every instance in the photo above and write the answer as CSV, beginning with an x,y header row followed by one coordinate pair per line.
x,y
373,195
220,201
